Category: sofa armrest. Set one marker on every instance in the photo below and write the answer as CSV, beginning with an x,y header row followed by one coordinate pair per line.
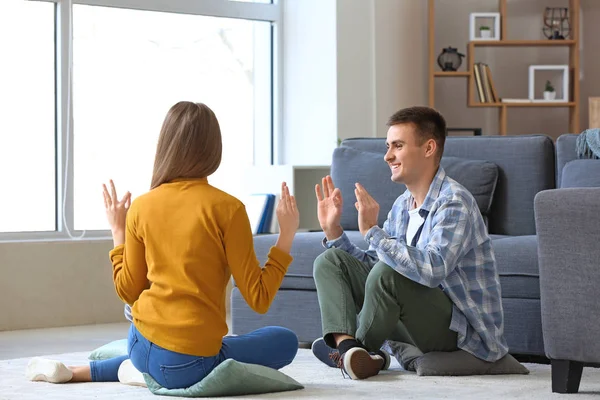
x,y
568,229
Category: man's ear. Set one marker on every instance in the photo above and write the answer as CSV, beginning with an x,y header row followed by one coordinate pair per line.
x,y
431,148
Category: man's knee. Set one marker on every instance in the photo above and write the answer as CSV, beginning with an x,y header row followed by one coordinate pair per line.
x,y
327,262
384,276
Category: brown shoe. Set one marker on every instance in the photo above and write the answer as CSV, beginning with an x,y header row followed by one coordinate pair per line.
x,y
359,364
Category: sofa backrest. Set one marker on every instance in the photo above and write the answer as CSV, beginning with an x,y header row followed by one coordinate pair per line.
x,y
526,166
566,150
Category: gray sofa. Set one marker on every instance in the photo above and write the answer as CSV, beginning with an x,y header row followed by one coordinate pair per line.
x,y
568,226
525,166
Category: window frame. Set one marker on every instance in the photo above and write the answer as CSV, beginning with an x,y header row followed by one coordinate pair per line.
x,y
267,146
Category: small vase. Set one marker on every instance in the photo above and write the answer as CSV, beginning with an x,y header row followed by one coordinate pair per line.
x,y
485,34
549,95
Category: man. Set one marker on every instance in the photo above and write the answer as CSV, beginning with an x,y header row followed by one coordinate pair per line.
x,y
429,276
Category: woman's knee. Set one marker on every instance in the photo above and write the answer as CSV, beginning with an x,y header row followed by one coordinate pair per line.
x,y
289,341
286,342
327,262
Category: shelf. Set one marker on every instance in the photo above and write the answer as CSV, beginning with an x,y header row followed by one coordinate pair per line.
x,y
531,43
571,45
451,73
540,104
527,104
485,105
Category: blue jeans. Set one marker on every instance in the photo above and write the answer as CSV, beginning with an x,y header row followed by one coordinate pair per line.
x,y
272,346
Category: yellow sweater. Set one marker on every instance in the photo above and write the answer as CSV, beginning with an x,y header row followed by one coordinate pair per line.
x,y
187,238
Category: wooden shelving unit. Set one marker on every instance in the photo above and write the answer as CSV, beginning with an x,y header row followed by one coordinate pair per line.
x,y
572,44
452,73
523,43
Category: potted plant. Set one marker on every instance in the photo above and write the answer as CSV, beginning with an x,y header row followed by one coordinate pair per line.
x,y
549,93
485,32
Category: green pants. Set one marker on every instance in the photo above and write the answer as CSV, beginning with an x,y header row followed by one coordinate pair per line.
x,y
389,306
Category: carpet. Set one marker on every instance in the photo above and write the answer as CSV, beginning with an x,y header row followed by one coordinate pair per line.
x,y
321,382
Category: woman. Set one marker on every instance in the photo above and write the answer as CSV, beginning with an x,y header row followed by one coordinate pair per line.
x,y
187,238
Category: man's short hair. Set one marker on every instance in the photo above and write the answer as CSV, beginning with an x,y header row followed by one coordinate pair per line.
x,y
429,124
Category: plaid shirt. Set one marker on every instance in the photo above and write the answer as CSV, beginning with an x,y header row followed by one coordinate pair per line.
x,y
453,252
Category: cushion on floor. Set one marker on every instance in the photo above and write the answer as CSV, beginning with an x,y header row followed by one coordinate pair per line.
x,y
232,378
454,363
115,348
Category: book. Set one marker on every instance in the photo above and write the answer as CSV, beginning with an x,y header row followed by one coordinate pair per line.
x,y
495,97
487,90
259,208
478,84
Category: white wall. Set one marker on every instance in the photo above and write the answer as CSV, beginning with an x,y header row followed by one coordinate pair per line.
x,y
349,65
309,88
356,93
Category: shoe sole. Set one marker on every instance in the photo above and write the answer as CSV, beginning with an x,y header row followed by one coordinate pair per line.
x,y
359,364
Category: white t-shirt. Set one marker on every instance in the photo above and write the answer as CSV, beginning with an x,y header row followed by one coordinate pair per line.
x,y
414,223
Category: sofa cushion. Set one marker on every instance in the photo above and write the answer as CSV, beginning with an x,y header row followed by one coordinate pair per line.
x,y
306,248
516,258
370,169
517,262
581,173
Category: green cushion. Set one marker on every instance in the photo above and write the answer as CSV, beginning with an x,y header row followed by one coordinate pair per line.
x,y
110,350
453,363
458,363
232,378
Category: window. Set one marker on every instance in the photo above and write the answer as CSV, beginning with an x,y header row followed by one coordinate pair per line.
x,y
27,139
130,66
130,61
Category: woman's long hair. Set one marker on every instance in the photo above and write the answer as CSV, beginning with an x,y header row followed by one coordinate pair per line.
x,y
189,145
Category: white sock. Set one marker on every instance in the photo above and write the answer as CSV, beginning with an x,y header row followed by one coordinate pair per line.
x,y
129,375
41,369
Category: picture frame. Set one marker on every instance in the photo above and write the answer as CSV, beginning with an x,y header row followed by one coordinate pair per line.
x,y
564,88
475,25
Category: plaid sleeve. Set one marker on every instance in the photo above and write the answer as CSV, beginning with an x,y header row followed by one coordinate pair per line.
x,y
127,312
431,265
